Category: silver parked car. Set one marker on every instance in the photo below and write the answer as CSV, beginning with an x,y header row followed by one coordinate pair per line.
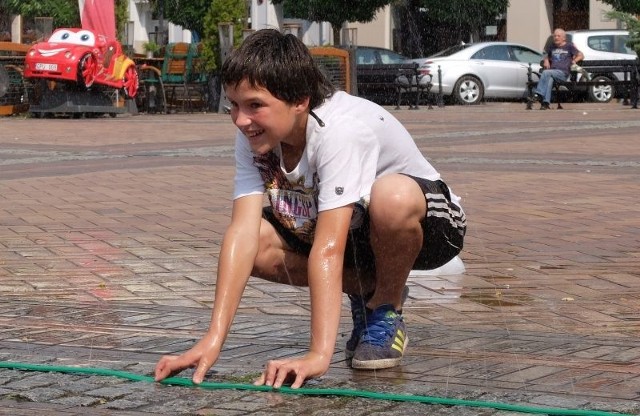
x,y
475,71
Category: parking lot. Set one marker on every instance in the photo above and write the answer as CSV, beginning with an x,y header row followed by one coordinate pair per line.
x,y
110,230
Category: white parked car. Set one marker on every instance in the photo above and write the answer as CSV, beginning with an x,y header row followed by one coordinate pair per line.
x,y
610,45
602,44
472,72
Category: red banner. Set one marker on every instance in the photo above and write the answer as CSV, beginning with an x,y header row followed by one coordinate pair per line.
x,y
99,16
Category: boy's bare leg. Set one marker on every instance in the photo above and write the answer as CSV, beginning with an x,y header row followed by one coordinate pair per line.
x,y
397,206
276,262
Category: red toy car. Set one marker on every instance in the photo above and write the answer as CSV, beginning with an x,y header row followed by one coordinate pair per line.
x,y
82,57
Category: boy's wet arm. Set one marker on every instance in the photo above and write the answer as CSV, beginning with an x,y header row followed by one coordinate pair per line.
x,y
238,251
325,278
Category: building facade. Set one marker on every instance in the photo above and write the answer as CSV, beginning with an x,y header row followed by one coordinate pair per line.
x,y
530,22
527,21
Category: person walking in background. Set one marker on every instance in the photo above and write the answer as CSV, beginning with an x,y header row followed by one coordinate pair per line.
x,y
353,207
559,57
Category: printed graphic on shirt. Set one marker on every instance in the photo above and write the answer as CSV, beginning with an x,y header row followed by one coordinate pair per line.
x,y
559,54
294,204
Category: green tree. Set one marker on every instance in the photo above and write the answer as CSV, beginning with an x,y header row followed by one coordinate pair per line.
x,y
465,15
633,25
65,13
221,11
626,6
624,10
186,13
336,12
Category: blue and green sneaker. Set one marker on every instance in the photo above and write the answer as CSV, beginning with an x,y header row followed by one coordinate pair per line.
x,y
359,316
382,342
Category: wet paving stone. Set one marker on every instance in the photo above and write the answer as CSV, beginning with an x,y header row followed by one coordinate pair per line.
x,y
108,255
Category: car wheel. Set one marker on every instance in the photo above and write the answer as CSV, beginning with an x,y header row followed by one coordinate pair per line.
x,y
130,82
87,70
468,90
601,93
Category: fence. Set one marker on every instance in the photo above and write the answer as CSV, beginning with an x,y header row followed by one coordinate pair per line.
x,y
338,65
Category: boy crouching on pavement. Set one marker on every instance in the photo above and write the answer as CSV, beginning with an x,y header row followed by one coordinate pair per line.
x,y
354,207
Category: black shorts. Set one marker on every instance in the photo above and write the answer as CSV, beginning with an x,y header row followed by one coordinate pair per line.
x,y
443,230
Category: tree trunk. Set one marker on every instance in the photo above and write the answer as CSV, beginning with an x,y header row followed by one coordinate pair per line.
x,y
336,34
410,33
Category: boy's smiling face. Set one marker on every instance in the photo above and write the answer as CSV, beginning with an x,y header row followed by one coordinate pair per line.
x,y
265,120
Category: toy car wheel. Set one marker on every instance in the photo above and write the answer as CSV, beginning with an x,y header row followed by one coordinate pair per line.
x,y
87,70
468,90
130,82
601,93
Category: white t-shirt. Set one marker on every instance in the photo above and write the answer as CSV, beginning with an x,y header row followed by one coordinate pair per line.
x,y
359,142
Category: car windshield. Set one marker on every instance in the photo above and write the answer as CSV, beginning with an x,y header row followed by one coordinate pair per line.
x,y
389,57
522,54
450,51
493,53
609,43
365,55
81,37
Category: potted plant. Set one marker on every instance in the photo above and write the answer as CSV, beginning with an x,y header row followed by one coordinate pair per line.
x,y
150,48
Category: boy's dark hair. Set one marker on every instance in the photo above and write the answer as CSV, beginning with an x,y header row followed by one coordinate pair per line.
x,y
279,62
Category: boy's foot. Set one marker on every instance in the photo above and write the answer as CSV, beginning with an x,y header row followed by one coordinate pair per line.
x,y
383,341
544,106
359,316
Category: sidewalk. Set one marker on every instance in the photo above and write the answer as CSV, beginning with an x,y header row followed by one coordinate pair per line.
x,y
110,231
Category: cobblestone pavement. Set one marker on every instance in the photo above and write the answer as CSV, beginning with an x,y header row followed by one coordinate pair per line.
x,y
110,231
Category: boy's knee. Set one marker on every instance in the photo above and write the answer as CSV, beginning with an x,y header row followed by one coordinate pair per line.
x,y
398,197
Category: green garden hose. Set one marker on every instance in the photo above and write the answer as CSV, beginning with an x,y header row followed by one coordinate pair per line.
x,y
181,381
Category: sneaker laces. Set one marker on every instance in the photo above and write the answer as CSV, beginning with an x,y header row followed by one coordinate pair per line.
x,y
378,332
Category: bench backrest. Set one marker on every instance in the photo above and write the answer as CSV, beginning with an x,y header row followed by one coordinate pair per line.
x,y
176,65
609,62
383,74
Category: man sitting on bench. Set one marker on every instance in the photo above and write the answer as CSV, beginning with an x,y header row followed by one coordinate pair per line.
x,y
558,59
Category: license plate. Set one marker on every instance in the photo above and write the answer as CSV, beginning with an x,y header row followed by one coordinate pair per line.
x,y
46,67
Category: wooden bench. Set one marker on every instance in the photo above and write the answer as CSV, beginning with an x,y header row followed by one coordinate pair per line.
x,y
603,73
182,79
379,82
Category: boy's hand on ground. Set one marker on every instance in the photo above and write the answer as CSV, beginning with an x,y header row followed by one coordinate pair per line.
x,y
202,356
295,370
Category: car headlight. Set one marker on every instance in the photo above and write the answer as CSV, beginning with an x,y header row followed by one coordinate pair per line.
x,y
68,54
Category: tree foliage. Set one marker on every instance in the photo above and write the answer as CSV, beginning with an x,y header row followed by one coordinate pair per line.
x,y
633,25
65,13
221,11
186,13
336,12
470,15
626,6
122,17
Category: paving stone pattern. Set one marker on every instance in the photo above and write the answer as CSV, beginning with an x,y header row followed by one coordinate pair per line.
x,y
110,231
